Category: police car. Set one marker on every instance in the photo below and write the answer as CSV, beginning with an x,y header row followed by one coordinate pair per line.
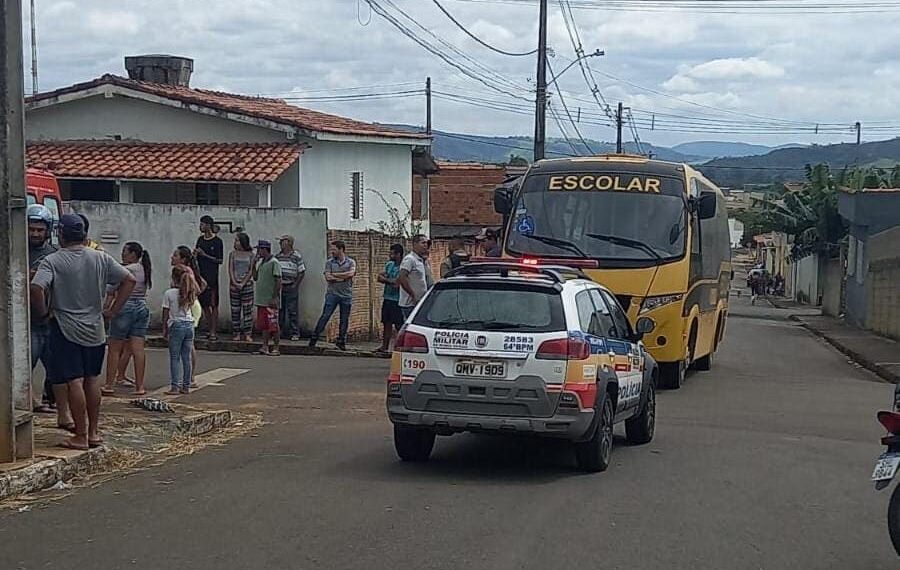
x,y
520,348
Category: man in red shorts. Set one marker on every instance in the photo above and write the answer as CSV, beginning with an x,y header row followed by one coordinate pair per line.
x,y
267,296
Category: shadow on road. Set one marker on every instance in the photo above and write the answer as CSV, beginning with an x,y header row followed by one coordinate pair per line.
x,y
479,458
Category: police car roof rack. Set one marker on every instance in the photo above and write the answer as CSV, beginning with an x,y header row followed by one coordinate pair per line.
x,y
557,273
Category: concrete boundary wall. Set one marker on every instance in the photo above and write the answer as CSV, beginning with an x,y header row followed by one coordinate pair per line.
x,y
160,228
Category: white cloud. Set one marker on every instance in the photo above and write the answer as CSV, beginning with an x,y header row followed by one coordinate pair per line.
x,y
736,68
112,22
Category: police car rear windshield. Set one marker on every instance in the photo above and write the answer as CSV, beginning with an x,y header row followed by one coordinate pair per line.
x,y
493,307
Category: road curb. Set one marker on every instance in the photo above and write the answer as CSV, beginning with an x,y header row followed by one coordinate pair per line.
x,y
253,347
855,356
50,466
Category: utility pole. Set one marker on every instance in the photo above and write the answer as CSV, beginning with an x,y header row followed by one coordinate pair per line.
x,y
428,105
540,102
34,61
16,438
858,127
619,129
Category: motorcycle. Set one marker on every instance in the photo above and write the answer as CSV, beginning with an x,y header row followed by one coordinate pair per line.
x,y
886,468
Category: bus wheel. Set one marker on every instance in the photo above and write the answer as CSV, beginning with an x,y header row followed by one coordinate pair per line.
x,y
672,374
704,363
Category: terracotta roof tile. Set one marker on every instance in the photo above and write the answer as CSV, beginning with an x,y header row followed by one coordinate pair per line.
x,y
197,162
276,110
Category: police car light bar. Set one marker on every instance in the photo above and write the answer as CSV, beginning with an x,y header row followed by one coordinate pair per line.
x,y
558,261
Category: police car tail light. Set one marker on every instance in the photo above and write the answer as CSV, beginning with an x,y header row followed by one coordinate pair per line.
x,y
411,342
564,349
890,421
651,303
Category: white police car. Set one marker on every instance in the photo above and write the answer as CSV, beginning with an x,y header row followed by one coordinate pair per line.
x,y
523,349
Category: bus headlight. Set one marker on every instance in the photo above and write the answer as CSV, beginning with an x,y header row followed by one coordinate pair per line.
x,y
651,303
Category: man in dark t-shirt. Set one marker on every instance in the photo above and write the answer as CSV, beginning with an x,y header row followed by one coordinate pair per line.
x,y
209,253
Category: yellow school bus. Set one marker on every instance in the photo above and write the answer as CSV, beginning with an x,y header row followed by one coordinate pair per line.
x,y
655,233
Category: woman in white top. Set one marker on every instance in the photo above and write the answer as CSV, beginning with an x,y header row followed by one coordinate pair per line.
x,y
178,327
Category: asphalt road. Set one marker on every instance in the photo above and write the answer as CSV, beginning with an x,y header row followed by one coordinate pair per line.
x,y
761,463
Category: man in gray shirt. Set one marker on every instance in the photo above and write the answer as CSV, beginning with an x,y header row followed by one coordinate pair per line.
x,y
75,279
415,275
339,272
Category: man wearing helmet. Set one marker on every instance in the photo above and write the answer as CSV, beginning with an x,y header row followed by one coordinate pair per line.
x,y
40,228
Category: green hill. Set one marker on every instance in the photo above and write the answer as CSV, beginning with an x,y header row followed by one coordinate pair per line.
x,y
788,164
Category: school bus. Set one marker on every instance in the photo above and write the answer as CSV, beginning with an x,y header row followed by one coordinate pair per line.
x,y
655,233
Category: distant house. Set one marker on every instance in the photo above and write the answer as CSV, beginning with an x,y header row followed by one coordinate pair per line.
x,y
151,138
873,258
458,201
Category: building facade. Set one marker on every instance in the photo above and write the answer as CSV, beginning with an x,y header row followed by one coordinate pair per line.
x,y
152,138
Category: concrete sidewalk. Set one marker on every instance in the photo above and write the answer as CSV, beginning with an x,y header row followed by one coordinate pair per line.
x,y
293,348
876,353
129,434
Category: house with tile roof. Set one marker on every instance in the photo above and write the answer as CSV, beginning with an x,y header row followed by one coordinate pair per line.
x,y
152,138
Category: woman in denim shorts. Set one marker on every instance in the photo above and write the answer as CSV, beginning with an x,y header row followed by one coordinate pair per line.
x,y
130,325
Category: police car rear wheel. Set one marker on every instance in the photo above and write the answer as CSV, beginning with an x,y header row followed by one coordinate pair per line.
x,y
594,454
413,444
639,429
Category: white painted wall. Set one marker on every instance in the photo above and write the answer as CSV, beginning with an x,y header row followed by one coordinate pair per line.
x,y
806,278
735,232
326,180
160,228
99,118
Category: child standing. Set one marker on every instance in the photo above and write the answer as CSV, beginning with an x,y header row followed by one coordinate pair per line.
x,y
178,327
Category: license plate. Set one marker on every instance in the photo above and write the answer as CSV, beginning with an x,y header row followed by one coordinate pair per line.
x,y
481,368
886,467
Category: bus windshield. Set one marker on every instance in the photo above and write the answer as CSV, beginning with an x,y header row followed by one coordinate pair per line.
x,y
626,222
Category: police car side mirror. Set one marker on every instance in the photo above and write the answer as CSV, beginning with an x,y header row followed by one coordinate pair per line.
x,y
503,200
706,206
644,325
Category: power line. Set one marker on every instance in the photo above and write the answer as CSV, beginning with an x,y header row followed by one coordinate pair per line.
x,y
634,133
525,149
477,39
585,67
490,79
562,101
562,131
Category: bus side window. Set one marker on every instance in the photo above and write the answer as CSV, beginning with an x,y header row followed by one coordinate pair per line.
x,y
696,248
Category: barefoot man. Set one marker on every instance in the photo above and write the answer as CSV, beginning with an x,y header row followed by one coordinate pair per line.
x,y
75,279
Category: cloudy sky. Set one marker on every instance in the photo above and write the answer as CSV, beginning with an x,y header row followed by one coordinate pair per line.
x,y
746,75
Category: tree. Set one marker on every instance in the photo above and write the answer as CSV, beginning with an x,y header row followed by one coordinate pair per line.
x,y
400,223
811,215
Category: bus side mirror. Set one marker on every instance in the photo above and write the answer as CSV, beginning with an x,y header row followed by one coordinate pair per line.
x,y
706,206
503,200
644,325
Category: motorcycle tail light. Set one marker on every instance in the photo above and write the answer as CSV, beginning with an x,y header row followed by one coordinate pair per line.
x,y
890,421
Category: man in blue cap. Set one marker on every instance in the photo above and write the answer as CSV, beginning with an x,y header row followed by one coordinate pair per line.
x,y
75,280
